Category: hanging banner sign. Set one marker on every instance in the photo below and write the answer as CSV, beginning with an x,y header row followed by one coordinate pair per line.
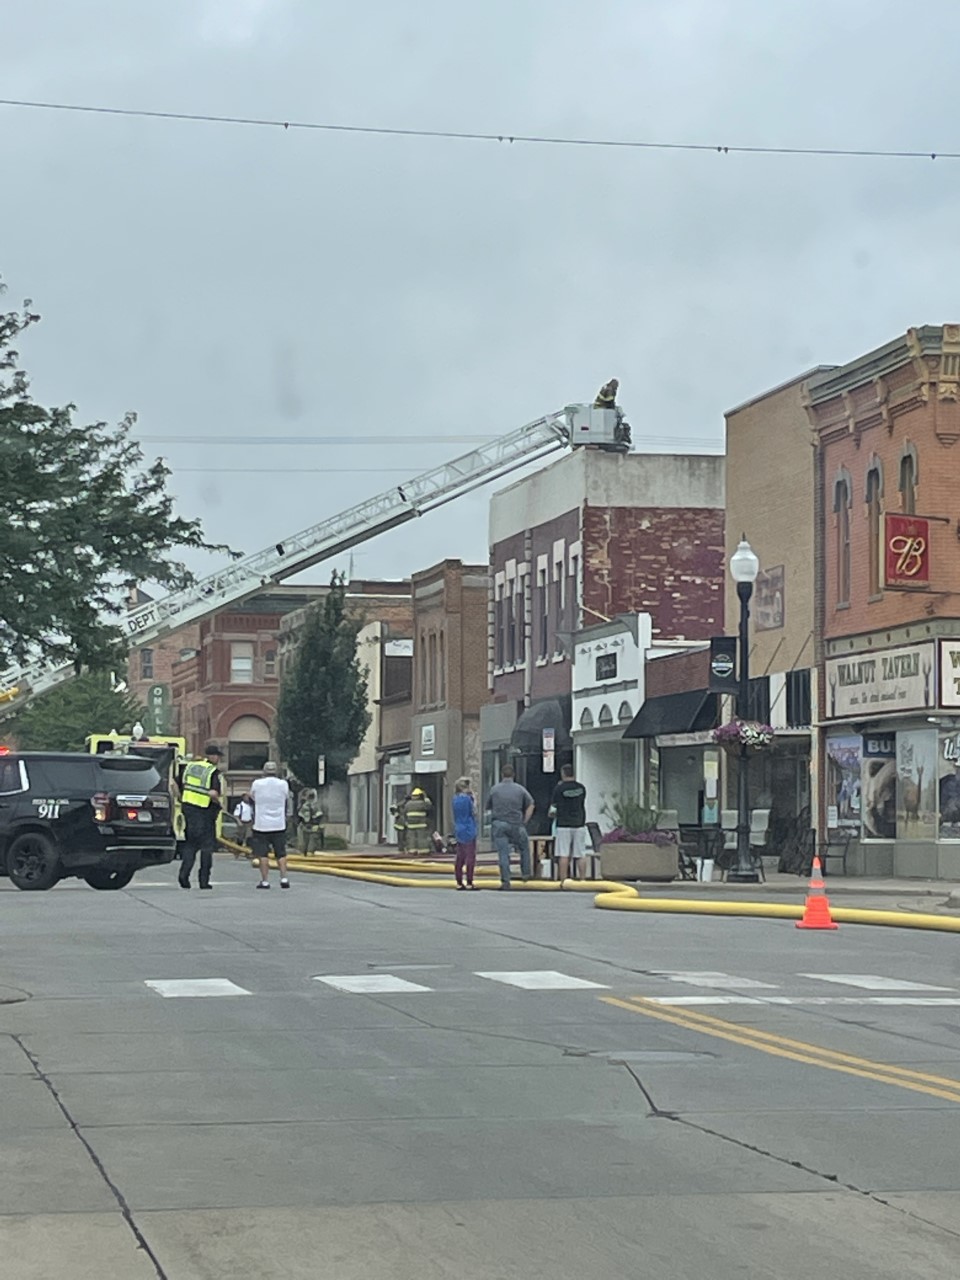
x,y
906,551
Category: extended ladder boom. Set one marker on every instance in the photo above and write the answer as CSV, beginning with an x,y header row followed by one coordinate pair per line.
x,y
574,425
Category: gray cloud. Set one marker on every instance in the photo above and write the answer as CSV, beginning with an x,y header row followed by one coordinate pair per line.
x,y
234,281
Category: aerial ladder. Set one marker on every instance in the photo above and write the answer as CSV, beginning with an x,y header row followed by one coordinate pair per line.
x,y
575,426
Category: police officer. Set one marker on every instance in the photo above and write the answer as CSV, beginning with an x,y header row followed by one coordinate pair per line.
x,y
415,814
201,792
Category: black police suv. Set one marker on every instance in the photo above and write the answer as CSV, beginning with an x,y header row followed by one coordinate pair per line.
x,y
102,818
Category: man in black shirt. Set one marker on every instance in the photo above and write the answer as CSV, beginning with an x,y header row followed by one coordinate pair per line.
x,y
569,806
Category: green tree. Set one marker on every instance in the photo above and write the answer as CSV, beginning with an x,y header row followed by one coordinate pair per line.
x,y
83,519
60,719
322,709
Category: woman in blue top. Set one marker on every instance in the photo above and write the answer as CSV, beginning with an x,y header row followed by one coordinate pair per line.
x,y
465,830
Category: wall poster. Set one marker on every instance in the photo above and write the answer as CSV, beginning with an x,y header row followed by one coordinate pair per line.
x,y
948,785
917,785
843,779
878,786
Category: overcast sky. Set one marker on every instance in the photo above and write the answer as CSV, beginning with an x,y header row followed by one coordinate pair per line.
x,y
237,282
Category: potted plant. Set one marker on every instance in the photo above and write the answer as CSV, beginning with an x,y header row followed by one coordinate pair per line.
x,y
635,848
743,733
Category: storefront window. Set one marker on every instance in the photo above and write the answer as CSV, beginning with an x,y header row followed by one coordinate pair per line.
x,y
917,785
878,786
948,785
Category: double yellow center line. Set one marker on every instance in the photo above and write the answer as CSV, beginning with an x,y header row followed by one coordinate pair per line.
x,y
813,1055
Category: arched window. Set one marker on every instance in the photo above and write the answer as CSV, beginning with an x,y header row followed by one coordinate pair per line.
x,y
841,505
874,490
248,744
606,715
908,484
624,715
586,718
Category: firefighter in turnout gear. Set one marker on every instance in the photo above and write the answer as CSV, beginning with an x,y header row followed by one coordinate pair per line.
x,y
400,824
310,821
416,813
607,399
201,792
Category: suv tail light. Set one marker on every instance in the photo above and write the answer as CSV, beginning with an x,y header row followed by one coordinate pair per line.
x,y
101,807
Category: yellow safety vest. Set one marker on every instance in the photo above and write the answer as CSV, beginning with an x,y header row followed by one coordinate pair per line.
x,y
196,783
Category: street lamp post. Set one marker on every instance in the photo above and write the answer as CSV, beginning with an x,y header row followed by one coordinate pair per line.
x,y
744,566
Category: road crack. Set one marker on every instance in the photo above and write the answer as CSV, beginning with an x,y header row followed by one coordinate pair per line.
x,y
657,1113
125,1211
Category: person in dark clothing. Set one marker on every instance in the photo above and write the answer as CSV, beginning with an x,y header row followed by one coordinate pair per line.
x,y
201,795
568,806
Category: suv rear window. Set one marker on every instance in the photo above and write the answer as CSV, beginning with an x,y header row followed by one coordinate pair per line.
x,y
127,771
67,776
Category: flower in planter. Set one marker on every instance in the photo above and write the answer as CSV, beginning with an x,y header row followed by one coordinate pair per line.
x,y
634,823
744,733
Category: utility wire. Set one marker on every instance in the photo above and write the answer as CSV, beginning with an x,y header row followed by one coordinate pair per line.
x,y
459,135
234,441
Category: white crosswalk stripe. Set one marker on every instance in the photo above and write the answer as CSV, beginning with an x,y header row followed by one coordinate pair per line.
x,y
872,982
542,980
176,987
369,984
726,981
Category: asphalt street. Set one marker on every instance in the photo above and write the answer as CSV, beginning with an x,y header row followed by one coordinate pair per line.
x,y
357,1082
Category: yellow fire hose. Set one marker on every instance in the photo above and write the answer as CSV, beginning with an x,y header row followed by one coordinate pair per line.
x,y
610,895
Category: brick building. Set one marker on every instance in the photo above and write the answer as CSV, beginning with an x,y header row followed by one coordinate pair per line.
x,y
594,535
226,690
770,499
888,605
450,602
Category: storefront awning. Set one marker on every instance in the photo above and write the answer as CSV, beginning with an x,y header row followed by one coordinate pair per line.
x,y
528,731
690,712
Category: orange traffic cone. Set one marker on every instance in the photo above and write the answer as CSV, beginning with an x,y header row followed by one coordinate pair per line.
x,y
816,911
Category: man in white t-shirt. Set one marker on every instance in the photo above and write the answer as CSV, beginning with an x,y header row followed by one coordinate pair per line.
x,y
270,796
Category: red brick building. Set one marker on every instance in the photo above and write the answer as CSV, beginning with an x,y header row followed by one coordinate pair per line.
x,y
449,677
888,602
594,535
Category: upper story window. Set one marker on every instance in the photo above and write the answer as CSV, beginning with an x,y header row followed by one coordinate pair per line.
x,y
573,594
511,628
908,484
841,505
432,667
499,628
146,664
423,669
874,491
270,662
557,606
543,614
606,666
442,669
521,599
241,662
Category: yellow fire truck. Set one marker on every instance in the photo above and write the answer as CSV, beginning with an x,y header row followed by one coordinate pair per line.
x,y
169,754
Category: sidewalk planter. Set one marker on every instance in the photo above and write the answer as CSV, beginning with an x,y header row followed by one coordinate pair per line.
x,y
633,860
